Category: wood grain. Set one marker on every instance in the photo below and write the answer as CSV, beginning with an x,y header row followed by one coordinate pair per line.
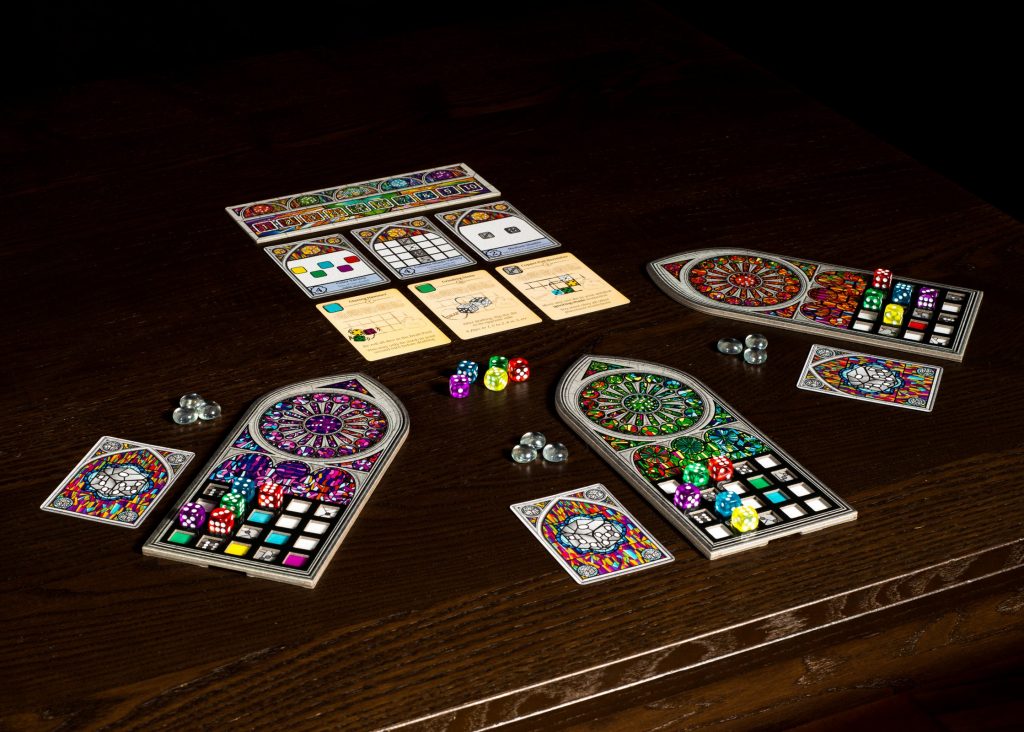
x,y
627,137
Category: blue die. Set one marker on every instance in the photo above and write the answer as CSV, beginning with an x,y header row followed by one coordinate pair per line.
x,y
469,368
725,502
244,486
901,293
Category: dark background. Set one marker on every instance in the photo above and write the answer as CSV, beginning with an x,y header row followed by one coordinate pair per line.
x,y
941,87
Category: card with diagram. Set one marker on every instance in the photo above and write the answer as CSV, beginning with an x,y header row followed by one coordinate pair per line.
x,y
118,482
892,381
473,304
412,248
590,534
497,230
326,266
561,286
382,324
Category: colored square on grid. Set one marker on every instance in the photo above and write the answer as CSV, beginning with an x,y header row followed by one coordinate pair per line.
x,y
426,287
351,260
325,264
333,307
317,273
299,270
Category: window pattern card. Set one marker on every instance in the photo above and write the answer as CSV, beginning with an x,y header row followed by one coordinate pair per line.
x,y
891,381
382,324
497,231
561,286
327,266
118,482
412,248
473,304
360,203
590,534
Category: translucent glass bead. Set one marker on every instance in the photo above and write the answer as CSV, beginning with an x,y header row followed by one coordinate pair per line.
x,y
536,440
524,454
756,341
555,452
496,378
191,401
730,346
210,410
744,519
755,357
184,415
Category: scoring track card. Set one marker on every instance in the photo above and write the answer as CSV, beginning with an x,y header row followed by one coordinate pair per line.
x,y
357,203
412,248
878,379
590,534
293,474
815,297
497,230
326,266
118,482
649,421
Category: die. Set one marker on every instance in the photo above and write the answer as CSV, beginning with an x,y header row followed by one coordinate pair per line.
x,y
687,496
873,299
696,473
882,278
270,495
458,385
234,502
496,378
518,369
725,502
468,368
191,515
719,468
222,521
500,362
744,519
244,486
902,292
893,314
926,297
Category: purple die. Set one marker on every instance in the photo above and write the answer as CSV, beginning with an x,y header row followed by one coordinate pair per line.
x,y
191,516
926,297
687,496
458,385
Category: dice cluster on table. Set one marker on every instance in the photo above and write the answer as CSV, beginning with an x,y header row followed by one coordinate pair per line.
x,y
728,504
754,348
500,371
535,443
192,407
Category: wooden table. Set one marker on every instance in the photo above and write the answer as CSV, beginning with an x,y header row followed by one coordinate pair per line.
x,y
627,139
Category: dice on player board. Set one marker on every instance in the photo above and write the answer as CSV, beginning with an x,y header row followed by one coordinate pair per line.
x,y
222,521
902,292
696,473
882,278
926,297
234,502
873,299
719,468
270,494
191,515
893,314
244,486
518,369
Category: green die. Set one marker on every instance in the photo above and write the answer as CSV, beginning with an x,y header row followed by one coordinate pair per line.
x,y
696,473
873,299
234,502
500,362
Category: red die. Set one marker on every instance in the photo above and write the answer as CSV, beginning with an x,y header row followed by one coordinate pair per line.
x,y
518,369
222,521
882,278
270,494
719,468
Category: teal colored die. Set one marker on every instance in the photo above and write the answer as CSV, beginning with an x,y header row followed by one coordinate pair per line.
x,y
725,502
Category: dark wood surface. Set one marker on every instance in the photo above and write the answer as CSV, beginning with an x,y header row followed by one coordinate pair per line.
x,y
627,138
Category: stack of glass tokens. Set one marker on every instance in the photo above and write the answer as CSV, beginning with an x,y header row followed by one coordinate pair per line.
x,y
533,443
192,407
754,348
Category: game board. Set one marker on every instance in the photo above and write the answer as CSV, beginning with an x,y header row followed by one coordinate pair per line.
x,y
648,421
412,248
326,266
372,200
327,443
805,295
